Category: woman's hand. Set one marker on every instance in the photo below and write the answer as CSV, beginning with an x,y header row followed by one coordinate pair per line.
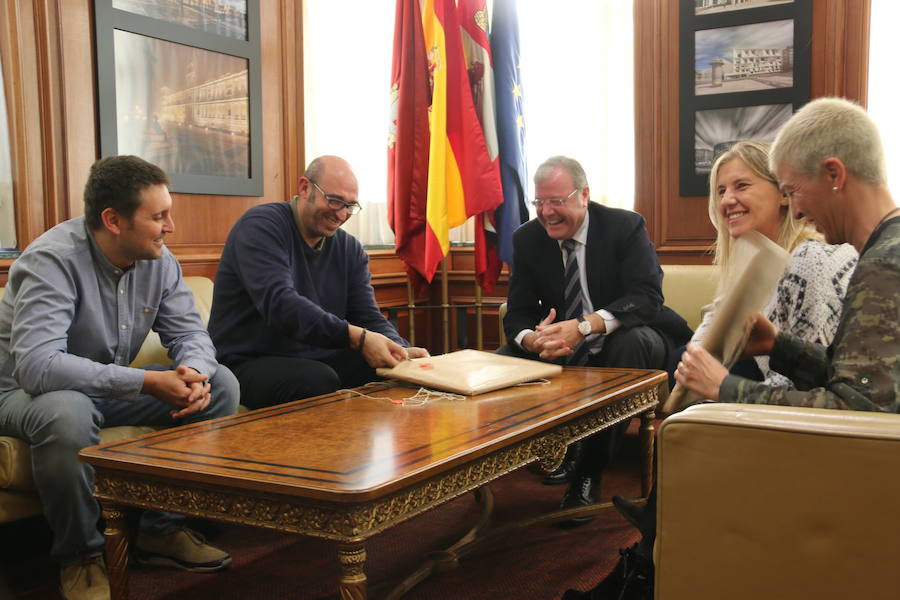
x,y
699,372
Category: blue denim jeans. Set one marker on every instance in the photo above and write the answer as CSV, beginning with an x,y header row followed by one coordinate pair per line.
x,y
57,425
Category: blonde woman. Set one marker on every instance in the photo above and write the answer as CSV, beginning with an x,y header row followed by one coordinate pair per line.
x,y
743,197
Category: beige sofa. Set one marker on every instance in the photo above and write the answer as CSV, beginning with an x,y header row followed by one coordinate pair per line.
x,y
777,502
18,498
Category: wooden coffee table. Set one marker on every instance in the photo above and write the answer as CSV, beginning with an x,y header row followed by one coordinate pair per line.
x,y
345,467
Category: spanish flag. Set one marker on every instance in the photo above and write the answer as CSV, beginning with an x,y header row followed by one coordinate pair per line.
x,y
462,179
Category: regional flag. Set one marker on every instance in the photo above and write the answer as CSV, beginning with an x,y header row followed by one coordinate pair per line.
x,y
476,44
408,140
510,125
474,21
462,179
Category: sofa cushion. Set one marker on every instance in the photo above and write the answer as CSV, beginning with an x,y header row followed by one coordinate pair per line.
x,y
688,288
152,351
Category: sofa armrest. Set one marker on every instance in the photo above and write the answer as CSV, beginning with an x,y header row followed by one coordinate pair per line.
x,y
15,456
777,502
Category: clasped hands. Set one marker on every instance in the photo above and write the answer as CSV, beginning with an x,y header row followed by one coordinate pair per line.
x,y
551,340
702,374
183,388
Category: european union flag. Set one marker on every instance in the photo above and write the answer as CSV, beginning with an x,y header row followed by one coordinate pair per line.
x,y
510,125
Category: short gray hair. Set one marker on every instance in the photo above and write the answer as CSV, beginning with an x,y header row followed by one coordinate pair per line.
x,y
831,127
570,165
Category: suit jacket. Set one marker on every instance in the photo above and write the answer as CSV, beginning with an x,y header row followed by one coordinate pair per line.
x,y
622,269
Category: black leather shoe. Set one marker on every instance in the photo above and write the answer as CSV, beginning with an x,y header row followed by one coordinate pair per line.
x,y
567,469
632,512
631,579
580,493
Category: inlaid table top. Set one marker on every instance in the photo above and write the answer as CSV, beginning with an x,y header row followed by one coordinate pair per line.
x,y
346,447
348,465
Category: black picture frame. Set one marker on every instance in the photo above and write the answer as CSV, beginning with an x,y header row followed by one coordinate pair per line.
x,y
743,109
204,126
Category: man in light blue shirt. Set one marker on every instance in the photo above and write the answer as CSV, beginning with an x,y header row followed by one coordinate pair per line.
x,y
79,303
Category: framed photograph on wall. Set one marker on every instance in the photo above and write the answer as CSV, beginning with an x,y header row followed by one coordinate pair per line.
x,y
758,57
179,85
222,17
710,7
744,69
717,129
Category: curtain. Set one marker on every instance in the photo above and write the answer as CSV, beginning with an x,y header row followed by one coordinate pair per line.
x,y
578,80
577,76
883,87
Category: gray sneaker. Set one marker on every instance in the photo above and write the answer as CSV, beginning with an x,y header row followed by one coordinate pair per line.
x,y
85,580
184,549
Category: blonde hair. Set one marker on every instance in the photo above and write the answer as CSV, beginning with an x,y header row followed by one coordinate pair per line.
x,y
831,127
756,156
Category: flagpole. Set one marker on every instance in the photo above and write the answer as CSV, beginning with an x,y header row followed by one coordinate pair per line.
x,y
410,310
445,306
479,335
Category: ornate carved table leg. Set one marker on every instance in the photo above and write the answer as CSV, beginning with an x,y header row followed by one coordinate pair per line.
x,y
647,438
353,575
116,534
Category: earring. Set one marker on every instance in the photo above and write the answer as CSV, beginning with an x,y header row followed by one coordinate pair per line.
x,y
834,189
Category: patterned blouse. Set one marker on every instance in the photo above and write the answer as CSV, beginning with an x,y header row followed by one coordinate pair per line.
x,y
807,301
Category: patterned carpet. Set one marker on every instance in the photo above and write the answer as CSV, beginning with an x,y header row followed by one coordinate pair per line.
x,y
539,563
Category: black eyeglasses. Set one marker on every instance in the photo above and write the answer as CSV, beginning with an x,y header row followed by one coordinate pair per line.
x,y
553,201
337,203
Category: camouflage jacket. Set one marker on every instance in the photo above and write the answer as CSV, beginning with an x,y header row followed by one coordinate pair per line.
x,y
861,368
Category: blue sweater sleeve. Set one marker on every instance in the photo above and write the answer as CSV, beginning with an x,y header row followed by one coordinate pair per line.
x,y
362,309
260,256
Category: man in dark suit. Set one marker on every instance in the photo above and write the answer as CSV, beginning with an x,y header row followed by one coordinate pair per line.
x,y
585,289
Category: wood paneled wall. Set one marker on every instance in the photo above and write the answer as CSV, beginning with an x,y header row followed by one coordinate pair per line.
x,y
679,226
47,48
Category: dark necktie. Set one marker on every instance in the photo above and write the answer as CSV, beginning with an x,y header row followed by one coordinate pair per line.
x,y
572,282
573,304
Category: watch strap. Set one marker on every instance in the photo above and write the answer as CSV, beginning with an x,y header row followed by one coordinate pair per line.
x,y
581,328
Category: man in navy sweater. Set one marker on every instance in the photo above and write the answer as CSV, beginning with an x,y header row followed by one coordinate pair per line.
x,y
294,313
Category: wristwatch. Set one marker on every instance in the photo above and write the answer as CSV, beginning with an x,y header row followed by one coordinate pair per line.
x,y
584,326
